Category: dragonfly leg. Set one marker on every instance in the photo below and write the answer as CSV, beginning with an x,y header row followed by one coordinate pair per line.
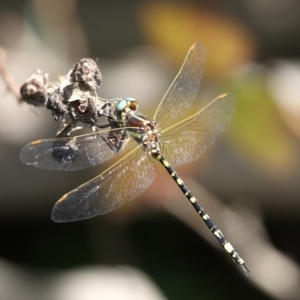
x,y
116,142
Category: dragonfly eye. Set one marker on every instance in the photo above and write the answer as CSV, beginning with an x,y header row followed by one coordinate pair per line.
x,y
120,106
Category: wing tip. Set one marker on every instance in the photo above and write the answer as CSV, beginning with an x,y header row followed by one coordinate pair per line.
x,y
224,95
35,142
198,45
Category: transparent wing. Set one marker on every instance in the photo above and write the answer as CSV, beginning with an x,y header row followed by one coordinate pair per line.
x,y
119,184
70,154
183,90
187,140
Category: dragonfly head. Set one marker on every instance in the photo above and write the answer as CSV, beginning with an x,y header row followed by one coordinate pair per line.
x,y
125,107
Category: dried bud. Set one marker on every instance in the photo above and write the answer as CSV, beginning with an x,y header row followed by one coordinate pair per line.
x,y
86,74
67,91
34,90
83,109
57,104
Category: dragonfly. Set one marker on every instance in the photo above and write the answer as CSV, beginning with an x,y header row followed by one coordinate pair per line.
x,y
171,142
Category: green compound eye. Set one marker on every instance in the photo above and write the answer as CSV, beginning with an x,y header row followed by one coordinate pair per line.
x,y
121,105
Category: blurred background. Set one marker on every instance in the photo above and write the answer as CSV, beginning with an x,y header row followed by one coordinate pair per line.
x,y
157,247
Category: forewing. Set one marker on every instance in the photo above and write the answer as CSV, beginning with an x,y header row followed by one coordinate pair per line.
x,y
121,183
187,140
183,90
70,154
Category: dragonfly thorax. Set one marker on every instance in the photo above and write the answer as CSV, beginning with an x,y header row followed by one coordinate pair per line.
x,y
150,136
144,131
